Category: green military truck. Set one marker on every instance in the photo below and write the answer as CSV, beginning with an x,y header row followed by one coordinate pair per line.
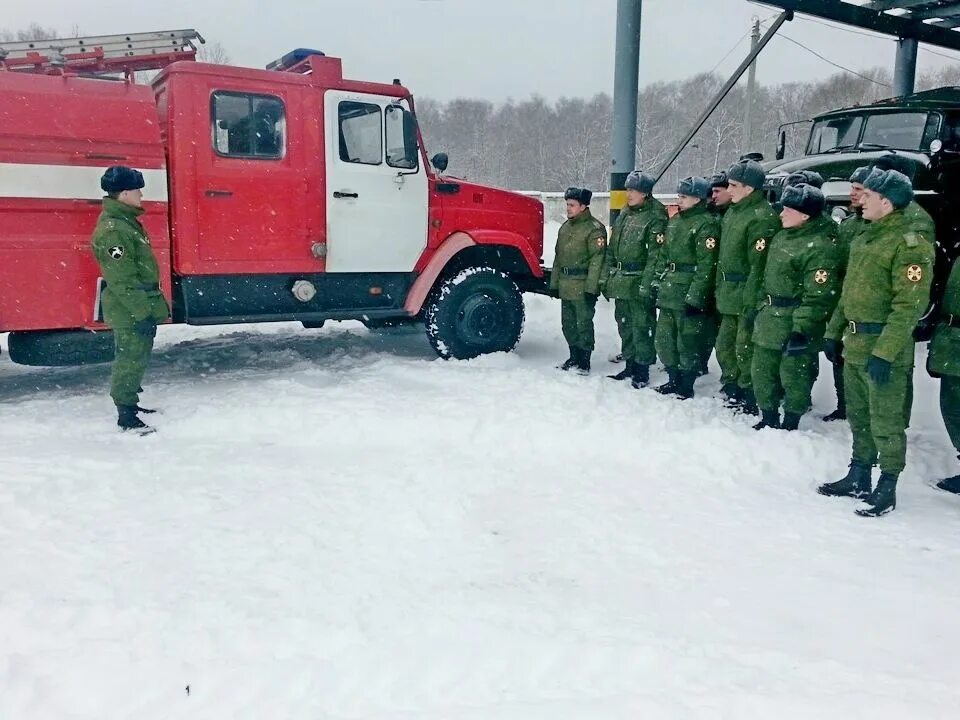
x,y
924,127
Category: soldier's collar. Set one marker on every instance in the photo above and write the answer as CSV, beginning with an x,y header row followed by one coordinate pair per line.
x,y
118,209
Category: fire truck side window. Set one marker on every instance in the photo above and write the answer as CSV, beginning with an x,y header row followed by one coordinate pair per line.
x,y
361,133
249,126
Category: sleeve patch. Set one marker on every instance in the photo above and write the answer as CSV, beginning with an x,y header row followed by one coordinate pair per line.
x,y
116,252
660,239
710,243
761,245
600,242
821,276
914,273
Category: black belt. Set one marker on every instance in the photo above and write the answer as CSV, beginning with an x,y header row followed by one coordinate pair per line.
x,y
733,277
951,321
681,267
858,328
573,272
146,287
779,301
629,267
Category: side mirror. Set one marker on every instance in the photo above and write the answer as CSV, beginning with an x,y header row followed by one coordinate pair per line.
x,y
839,214
781,144
440,161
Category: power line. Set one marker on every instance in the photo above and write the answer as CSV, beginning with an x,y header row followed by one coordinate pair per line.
x,y
831,62
875,36
730,51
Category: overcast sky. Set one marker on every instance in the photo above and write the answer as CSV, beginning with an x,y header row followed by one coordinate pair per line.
x,y
493,49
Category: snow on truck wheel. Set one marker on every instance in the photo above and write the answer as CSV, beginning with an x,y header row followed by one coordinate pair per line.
x,y
477,311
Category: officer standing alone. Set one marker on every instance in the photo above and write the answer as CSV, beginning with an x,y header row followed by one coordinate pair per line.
x,y
581,243
132,302
885,293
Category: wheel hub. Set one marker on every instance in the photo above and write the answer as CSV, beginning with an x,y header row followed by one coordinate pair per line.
x,y
479,319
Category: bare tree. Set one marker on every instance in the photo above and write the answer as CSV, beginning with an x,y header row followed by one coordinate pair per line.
x,y
213,53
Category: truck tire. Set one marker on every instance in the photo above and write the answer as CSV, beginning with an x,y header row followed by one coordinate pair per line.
x,y
477,311
60,348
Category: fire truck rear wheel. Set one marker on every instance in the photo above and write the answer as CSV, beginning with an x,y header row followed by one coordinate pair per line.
x,y
477,311
61,348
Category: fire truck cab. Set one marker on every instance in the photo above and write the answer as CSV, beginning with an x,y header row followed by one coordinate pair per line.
x,y
288,193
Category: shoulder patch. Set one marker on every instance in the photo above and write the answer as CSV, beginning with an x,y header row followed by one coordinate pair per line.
x,y
914,273
600,242
660,239
116,252
821,276
710,243
761,245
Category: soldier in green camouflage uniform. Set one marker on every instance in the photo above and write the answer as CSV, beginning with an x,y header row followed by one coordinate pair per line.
x,y
132,302
944,363
581,243
687,269
885,292
747,228
799,283
850,227
637,229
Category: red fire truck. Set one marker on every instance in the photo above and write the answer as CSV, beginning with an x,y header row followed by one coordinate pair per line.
x,y
288,193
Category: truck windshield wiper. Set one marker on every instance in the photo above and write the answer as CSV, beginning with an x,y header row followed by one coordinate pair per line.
x,y
839,148
875,146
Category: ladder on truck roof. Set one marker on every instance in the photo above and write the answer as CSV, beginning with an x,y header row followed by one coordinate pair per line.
x,y
98,55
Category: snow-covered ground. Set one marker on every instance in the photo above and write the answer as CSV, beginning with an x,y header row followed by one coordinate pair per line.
x,y
335,524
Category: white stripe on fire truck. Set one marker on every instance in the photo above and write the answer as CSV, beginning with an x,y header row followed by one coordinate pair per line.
x,y
69,182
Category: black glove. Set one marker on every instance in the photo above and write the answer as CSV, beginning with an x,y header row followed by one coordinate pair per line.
x,y
797,344
923,332
833,349
879,370
692,310
145,328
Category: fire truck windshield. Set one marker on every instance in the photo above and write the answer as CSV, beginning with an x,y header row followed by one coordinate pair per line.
x,y
908,130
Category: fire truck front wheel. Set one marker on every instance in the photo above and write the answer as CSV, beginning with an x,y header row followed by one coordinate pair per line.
x,y
477,311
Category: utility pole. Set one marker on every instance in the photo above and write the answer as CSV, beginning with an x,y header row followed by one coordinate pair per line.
x,y
626,81
751,86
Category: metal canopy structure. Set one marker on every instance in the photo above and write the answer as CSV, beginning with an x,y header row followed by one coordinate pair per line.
x,y
909,21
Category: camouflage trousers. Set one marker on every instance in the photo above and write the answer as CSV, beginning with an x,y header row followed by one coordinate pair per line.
x,y
778,378
680,340
576,319
636,325
745,353
726,347
950,407
131,355
879,416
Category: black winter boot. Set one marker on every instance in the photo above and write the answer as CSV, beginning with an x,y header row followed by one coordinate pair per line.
x,y
748,403
855,484
641,375
791,421
685,380
570,362
670,386
624,374
883,499
768,419
950,484
731,391
583,361
127,420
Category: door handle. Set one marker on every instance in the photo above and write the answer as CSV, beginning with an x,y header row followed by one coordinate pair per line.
x,y
218,193
339,194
